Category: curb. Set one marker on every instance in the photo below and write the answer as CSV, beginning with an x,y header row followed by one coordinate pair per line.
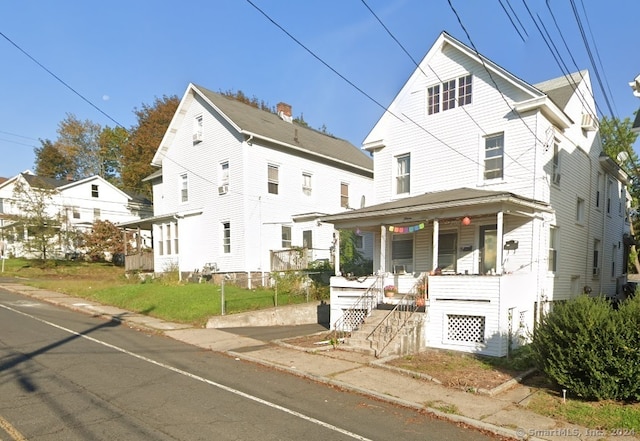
x,y
497,430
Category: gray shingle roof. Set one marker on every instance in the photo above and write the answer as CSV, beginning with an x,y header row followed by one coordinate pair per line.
x,y
561,89
270,126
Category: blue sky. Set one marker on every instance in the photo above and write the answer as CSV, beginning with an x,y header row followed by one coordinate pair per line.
x,y
120,55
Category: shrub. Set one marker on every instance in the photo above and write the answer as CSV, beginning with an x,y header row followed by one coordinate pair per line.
x,y
590,349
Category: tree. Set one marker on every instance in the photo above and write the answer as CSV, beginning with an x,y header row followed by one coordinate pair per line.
x,y
36,214
111,142
103,240
617,142
78,141
51,163
144,139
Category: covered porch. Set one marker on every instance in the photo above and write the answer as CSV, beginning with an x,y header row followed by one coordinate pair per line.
x,y
483,255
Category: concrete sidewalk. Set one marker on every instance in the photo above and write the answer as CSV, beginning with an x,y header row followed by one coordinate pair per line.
x,y
503,413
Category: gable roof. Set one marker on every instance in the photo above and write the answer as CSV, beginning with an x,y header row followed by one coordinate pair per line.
x,y
561,89
253,122
44,182
538,99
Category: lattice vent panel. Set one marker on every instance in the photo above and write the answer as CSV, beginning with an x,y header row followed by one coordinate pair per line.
x,y
353,318
465,328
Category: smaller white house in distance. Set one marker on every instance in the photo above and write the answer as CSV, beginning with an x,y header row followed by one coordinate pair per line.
x,y
239,189
78,204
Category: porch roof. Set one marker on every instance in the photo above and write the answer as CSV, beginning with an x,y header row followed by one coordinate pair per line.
x,y
442,203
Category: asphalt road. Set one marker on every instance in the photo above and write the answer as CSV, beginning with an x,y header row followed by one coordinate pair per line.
x,y
69,376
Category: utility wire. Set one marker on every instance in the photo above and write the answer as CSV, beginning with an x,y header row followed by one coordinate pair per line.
x,y
59,79
511,20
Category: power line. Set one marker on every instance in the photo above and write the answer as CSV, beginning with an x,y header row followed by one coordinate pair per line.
x,y
59,79
511,20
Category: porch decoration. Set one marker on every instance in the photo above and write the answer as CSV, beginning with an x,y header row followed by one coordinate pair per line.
x,y
390,290
466,221
404,230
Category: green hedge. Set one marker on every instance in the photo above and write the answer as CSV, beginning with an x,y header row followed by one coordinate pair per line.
x,y
591,349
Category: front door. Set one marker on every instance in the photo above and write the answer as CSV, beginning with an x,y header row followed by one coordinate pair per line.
x,y
488,248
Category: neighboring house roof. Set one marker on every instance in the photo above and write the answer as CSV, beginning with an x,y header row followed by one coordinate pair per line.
x,y
257,123
636,123
561,89
459,197
2,179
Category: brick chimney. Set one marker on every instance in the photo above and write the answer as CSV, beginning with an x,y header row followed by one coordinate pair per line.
x,y
284,111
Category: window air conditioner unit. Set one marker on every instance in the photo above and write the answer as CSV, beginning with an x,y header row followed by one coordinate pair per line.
x,y
588,122
596,272
223,189
556,178
197,137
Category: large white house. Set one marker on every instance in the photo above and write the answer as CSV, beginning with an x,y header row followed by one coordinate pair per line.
x,y
238,188
497,187
75,204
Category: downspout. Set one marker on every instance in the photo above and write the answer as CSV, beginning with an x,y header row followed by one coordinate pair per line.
x,y
587,215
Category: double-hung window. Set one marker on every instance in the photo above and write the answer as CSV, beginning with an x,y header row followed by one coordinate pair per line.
x,y
464,90
493,156
272,179
184,188
433,93
306,183
286,236
226,237
344,195
553,249
448,95
403,175
94,190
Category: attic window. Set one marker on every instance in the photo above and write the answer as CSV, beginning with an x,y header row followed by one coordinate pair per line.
x,y
94,190
448,94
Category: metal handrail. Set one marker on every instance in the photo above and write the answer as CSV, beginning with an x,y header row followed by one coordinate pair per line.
x,y
350,320
401,313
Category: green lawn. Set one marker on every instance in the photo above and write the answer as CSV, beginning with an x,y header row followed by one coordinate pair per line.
x,y
167,299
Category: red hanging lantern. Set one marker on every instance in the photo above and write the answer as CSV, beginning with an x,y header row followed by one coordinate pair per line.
x,y
466,221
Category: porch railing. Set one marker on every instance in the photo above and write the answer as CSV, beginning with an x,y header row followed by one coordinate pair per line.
x,y
356,314
397,319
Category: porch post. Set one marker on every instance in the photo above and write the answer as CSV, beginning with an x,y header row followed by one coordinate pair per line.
x,y
436,234
383,249
336,252
499,240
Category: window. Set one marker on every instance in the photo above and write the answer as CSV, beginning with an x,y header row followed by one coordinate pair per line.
x,y
306,183
307,239
96,214
580,210
596,258
493,156
599,192
553,249
197,129
402,252
464,90
160,241
1,205
94,190
622,199
609,195
447,99
403,174
448,95
556,163
286,236
226,237
184,188
613,262
447,252
272,179
76,213
344,195
434,99
175,238
167,238
224,173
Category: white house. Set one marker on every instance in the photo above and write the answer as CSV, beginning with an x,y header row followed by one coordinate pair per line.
x,y
237,184
500,189
76,203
